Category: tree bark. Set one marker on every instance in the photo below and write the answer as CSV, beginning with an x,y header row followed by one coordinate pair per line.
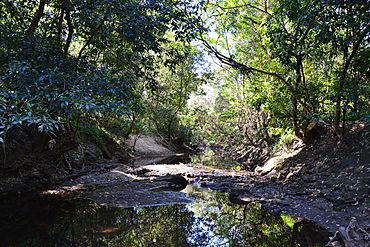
x,y
60,23
36,18
295,116
70,27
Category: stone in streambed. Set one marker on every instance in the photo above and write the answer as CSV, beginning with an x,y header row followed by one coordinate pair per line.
x,y
175,182
241,196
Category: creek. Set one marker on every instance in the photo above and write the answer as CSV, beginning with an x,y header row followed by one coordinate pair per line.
x,y
208,219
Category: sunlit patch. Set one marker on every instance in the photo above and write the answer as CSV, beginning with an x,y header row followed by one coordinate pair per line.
x,y
55,192
63,191
123,173
74,187
109,230
170,169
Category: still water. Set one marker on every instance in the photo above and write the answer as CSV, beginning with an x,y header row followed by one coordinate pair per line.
x,y
210,220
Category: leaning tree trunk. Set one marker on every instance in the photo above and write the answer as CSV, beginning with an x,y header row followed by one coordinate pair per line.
x,y
36,18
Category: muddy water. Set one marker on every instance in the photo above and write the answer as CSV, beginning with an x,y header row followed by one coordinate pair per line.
x,y
209,220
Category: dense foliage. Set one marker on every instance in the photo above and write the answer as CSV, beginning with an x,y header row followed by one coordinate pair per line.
x,y
295,58
131,67
66,59
295,65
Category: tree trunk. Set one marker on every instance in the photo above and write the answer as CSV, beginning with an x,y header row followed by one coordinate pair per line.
x,y
294,97
60,23
295,116
70,27
346,65
338,105
36,18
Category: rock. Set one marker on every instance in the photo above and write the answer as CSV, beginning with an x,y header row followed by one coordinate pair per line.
x,y
241,196
85,153
175,182
75,157
91,153
147,146
352,236
270,165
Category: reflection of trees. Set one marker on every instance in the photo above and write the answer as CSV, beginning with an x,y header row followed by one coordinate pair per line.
x,y
210,221
58,224
153,226
240,225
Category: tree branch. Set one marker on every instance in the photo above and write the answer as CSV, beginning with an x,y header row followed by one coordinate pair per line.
x,y
60,23
237,65
36,18
88,42
245,69
281,24
70,27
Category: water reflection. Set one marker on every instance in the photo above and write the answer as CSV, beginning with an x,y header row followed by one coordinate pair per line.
x,y
238,225
211,160
211,220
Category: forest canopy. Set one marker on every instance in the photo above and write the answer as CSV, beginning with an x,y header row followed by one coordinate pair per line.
x,y
300,59
65,59
286,66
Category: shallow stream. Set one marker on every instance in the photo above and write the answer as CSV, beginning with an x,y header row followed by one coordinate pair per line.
x,y
209,220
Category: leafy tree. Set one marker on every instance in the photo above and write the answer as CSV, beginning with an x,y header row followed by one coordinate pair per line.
x,y
69,58
276,45
168,103
348,36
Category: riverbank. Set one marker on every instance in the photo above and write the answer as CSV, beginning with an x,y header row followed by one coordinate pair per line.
x,y
323,181
40,165
127,187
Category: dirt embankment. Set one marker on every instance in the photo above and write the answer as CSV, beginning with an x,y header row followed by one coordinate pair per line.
x,y
31,160
333,175
336,170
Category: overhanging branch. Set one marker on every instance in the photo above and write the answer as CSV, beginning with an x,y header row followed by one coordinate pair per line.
x,y
239,66
245,69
